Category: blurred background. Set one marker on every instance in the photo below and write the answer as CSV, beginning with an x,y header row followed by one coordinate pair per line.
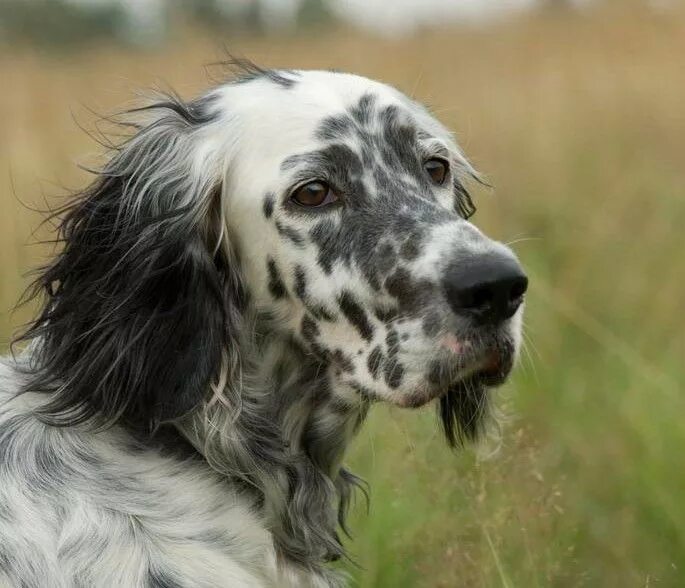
x,y
575,113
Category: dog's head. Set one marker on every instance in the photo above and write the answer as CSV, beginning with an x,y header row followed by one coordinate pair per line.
x,y
348,207
331,204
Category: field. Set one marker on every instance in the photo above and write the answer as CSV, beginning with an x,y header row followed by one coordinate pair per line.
x,y
579,124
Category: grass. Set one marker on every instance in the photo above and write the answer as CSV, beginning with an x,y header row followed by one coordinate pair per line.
x,y
578,122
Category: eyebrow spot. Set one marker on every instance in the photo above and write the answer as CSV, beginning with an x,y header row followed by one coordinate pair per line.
x,y
334,127
362,111
335,157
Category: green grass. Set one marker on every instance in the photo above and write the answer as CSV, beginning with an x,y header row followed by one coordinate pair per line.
x,y
579,124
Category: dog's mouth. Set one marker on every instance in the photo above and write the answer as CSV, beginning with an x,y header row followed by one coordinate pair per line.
x,y
464,402
496,364
465,367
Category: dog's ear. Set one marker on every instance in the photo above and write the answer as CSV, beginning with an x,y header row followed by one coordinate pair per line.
x,y
143,300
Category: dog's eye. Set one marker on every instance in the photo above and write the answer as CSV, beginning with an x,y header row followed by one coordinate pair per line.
x,y
437,170
314,194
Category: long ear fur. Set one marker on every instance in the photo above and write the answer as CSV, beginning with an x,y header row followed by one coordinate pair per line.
x,y
138,310
146,314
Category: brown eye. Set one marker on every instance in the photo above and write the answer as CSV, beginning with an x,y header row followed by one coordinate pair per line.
x,y
437,169
314,194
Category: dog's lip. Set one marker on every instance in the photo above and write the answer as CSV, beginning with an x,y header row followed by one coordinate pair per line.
x,y
495,368
489,365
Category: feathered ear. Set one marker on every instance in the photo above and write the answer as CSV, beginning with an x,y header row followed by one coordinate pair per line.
x,y
143,299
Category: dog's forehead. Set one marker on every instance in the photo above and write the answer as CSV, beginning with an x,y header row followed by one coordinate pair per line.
x,y
283,117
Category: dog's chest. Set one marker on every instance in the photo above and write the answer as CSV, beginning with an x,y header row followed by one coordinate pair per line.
x,y
80,509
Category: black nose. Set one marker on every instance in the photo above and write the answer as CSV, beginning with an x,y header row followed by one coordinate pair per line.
x,y
488,288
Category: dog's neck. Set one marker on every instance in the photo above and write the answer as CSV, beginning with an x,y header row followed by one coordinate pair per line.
x,y
316,418
284,438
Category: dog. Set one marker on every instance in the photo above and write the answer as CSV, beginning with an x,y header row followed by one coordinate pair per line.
x,y
244,278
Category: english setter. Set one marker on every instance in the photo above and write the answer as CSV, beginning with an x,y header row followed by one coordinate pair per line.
x,y
245,277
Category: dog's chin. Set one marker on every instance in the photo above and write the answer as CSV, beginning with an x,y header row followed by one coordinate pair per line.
x,y
464,407
462,391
